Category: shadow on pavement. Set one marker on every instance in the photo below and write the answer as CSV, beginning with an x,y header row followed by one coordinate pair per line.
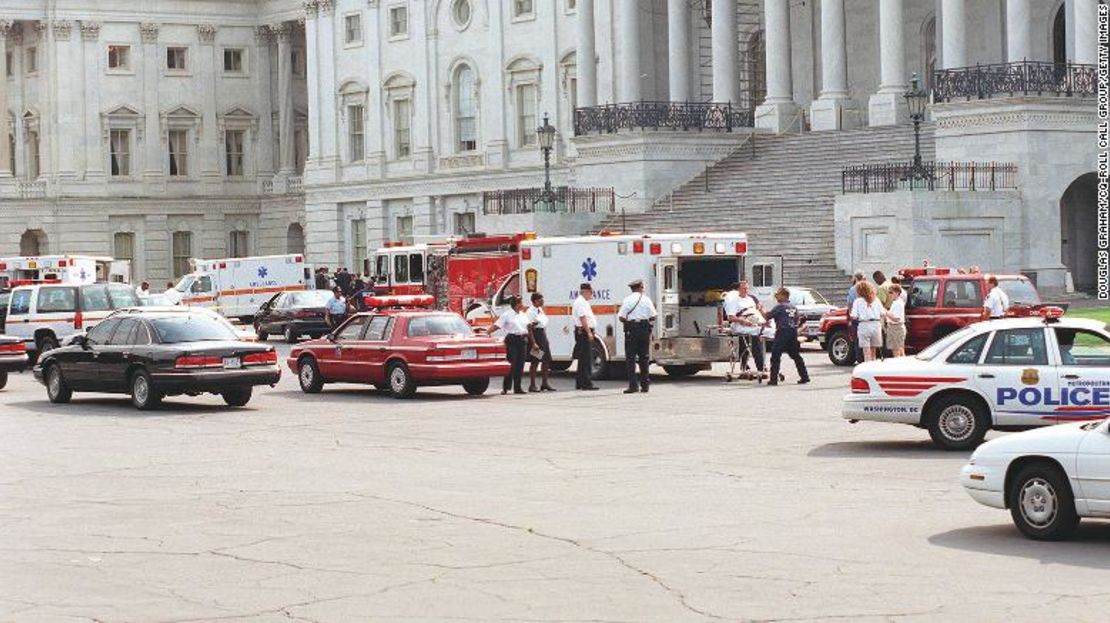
x,y
1088,547
121,407
883,450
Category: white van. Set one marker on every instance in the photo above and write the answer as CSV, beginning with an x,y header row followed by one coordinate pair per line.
x,y
44,315
237,287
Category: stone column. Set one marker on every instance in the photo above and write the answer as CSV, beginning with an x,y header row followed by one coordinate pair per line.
x,y
726,53
95,147
312,78
207,142
286,133
1084,18
953,37
261,162
678,49
888,105
1019,39
155,140
325,30
628,42
586,55
5,155
778,112
827,110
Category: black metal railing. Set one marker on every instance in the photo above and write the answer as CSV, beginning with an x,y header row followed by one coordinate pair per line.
x,y
889,177
609,118
564,199
1020,78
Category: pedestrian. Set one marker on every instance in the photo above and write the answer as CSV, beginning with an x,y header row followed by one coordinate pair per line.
x,y
322,278
539,348
143,291
868,313
745,313
857,352
637,313
785,316
882,288
172,294
896,322
343,280
361,289
997,302
514,323
335,312
584,326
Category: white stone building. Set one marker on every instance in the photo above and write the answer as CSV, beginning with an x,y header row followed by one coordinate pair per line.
x,y
402,115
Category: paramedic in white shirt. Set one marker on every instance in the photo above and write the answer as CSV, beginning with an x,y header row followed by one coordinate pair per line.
x,y
637,314
868,312
514,323
997,302
743,311
896,322
585,325
538,345
172,294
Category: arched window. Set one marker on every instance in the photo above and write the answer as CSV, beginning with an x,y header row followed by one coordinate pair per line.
x,y
294,239
466,109
33,242
929,51
1060,36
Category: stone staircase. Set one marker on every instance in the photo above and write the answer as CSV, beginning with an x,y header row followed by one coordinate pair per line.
x,y
780,191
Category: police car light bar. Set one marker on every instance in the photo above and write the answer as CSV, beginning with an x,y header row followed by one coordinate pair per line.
x,y
1050,313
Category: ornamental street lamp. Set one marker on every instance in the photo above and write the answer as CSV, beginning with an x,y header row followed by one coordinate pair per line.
x,y
545,135
917,100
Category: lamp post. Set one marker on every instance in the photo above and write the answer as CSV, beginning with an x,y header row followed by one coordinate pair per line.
x,y
545,135
917,99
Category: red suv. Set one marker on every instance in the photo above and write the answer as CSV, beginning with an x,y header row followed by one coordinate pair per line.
x,y
940,301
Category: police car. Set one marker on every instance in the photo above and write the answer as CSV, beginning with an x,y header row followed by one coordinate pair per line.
x,y
1009,374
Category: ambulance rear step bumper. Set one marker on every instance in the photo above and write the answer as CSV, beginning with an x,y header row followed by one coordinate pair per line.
x,y
688,350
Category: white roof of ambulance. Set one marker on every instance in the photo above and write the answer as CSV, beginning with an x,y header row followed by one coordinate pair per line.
x,y
629,237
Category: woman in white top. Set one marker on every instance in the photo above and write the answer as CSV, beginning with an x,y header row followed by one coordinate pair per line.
x,y
515,325
539,347
868,312
896,322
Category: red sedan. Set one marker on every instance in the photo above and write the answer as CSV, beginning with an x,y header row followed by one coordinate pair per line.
x,y
399,350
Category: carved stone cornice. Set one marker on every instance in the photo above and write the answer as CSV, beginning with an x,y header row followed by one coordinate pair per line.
x,y
6,28
206,33
62,29
90,31
327,7
149,32
263,35
283,32
310,8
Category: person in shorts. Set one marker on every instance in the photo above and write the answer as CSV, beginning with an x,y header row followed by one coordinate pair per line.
x,y
896,322
868,312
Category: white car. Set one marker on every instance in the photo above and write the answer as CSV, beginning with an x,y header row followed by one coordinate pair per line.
x,y
1048,478
1010,374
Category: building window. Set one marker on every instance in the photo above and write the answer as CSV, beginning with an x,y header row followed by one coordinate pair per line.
x,y
182,252
119,57
233,147
526,114
11,153
297,59
402,110
32,60
404,229
300,148
123,246
572,5
179,152
9,64
460,12
33,155
522,8
464,223
352,29
466,110
358,242
120,152
355,131
237,243
175,59
398,21
234,61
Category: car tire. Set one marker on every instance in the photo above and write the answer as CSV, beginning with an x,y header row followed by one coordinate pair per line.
x,y
309,377
143,394
400,380
3,379
840,348
477,387
237,397
957,423
291,334
599,363
1042,504
262,335
56,389
46,343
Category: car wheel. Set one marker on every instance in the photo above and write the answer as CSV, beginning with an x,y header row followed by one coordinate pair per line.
x,y
1041,503
46,343
401,384
957,423
262,335
3,379
143,394
308,375
840,349
291,334
476,387
56,389
237,397
599,362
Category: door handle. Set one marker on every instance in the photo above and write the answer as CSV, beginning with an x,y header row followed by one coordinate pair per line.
x,y
1071,377
986,376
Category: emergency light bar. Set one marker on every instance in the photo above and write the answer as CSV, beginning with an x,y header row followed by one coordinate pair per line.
x,y
1050,313
415,301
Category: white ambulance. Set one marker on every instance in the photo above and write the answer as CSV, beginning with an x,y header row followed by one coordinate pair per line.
x,y
237,287
67,269
684,274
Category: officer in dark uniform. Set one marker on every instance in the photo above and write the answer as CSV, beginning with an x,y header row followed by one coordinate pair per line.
x,y
785,316
637,313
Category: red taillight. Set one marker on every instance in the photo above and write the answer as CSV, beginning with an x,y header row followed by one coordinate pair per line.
x,y
526,254
3,266
298,259
741,247
656,248
13,348
190,362
860,386
268,358
223,264
637,246
78,321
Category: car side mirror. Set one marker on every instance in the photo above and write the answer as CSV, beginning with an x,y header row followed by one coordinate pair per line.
x,y
331,337
80,340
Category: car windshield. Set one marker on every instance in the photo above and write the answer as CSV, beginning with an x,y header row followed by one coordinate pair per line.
x,y
191,328
438,325
185,284
310,298
941,345
1020,291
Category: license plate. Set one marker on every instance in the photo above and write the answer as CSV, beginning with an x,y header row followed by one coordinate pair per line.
x,y
470,353
232,363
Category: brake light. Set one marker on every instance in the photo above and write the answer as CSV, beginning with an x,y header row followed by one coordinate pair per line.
x,y
656,248
741,247
13,348
268,358
61,263
637,246
860,386
444,354
192,362
3,266
78,321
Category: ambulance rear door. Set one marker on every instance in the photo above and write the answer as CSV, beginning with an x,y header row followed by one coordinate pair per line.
x,y
667,297
763,274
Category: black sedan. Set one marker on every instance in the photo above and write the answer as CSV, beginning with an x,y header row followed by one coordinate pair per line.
x,y
153,354
13,357
293,314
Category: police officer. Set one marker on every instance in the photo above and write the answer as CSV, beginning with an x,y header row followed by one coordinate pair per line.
x,y
637,313
514,323
785,316
584,325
